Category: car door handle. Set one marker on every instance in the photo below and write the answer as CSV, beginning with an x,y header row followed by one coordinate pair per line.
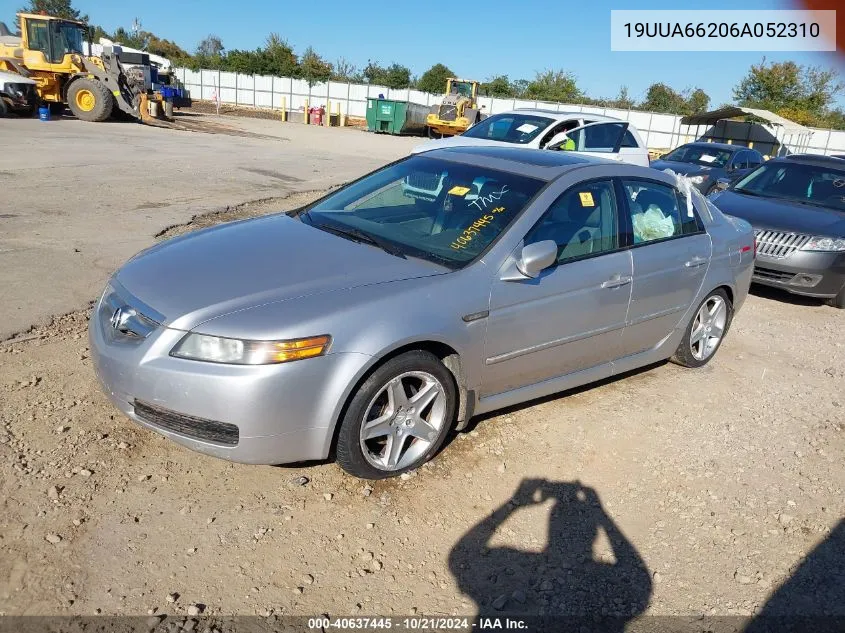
x,y
616,281
696,262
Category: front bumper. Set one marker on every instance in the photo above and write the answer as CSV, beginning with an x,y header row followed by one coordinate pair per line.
x,y
808,273
282,413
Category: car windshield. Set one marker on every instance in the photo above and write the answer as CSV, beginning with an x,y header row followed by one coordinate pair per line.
x,y
700,155
510,128
424,207
798,182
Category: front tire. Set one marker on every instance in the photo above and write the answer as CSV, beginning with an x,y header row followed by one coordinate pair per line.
x,y
90,100
706,330
398,418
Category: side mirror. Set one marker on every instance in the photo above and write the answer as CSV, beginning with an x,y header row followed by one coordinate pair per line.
x,y
537,257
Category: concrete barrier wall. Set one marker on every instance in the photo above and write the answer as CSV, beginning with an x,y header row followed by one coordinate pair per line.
x,y
657,129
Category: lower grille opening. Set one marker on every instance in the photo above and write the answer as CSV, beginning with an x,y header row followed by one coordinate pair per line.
x,y
773,275
188,425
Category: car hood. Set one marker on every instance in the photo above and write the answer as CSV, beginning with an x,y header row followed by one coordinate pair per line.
x,y
781,215
236,266
687,169
461,141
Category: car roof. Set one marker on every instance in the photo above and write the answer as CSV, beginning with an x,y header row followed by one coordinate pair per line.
x,y
532,163
559,115
817,160
727,146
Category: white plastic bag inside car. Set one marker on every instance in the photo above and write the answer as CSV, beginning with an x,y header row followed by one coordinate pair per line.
x,y
652,225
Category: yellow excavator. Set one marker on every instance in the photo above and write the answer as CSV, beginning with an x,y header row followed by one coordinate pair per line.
x,y
52,52
457,112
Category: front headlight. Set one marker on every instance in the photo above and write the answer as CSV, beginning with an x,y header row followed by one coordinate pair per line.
x,y
697,180
217,349
828,244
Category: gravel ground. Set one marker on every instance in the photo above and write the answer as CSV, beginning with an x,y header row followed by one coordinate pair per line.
x,y
667,491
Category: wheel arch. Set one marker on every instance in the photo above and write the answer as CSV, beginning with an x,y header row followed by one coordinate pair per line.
x,y
446,352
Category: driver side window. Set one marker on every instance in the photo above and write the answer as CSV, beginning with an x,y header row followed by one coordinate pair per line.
x,y
582,222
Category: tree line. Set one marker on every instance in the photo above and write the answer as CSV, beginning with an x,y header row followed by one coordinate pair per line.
x,y
804,94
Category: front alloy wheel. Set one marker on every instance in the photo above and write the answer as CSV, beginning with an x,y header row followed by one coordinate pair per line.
x,y
398,418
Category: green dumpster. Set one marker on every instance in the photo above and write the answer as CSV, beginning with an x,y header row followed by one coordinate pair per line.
x,y
387,116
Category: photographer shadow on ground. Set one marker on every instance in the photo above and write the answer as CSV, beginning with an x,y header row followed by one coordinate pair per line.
x,y
568,577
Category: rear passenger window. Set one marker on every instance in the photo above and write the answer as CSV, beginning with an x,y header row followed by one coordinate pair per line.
x,y
658,211
628,140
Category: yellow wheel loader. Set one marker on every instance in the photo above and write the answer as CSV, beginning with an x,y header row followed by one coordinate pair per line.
x,y
51,51
457,112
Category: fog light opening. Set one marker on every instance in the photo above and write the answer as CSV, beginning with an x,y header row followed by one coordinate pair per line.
x,y
805,280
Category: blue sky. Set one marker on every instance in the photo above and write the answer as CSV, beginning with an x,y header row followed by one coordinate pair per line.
x,y
500,37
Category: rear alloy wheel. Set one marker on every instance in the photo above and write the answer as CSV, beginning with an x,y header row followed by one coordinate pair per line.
x,y
398,418
706,331
89,100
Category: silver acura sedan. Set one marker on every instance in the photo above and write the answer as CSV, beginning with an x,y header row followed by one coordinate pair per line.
x,y
372,322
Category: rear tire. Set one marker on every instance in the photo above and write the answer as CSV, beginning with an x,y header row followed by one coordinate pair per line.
x,y
431,133
706,330
90,100
839,300
407,404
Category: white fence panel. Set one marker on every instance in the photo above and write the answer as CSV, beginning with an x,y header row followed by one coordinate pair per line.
x,y
619,114
229,80
358,92
209,78
338,90
501,105
417,96
282,86
300,87
485,104
398,95
836,143
320,92
245,97
522,103
264,99
228,95
357,109
375,90
265,82
592,109
297,102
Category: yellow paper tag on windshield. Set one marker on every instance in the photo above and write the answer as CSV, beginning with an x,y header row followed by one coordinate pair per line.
x,y
457,190
586,199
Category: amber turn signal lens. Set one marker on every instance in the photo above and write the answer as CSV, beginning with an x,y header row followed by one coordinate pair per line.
x,y
297,349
